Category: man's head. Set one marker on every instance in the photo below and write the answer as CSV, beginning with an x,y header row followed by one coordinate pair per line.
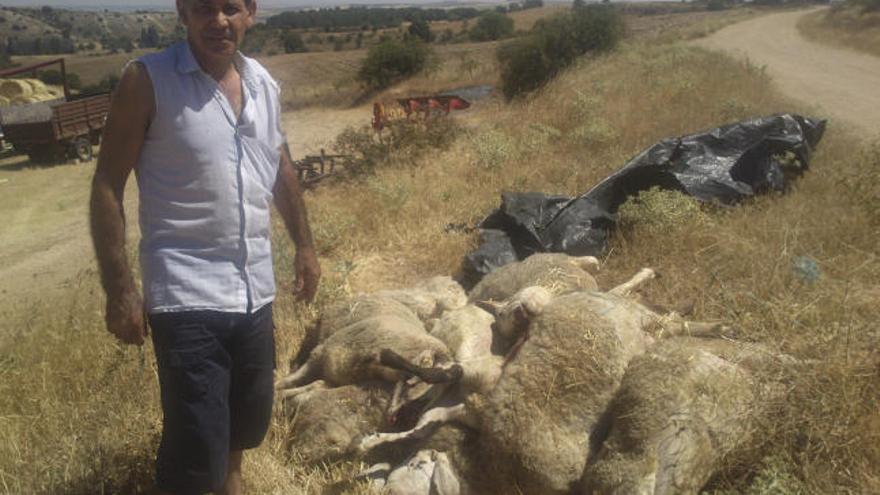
x,y
215,28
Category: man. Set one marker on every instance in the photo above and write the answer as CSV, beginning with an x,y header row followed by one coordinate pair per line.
x,y
200,125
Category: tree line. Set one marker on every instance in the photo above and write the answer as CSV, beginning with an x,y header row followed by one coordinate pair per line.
x,y
370,18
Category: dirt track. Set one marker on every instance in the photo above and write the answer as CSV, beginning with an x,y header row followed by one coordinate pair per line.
x,y
843,84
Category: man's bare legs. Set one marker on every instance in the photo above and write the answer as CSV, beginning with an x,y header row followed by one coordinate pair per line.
x,y
233,474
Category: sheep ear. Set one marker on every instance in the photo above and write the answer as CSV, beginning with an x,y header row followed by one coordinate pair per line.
x,y
491,307
589,264
521,317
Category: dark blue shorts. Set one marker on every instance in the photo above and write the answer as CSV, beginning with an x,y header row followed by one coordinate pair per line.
x,y
216,378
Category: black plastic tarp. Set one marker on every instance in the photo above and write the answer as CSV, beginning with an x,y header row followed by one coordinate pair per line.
x,y
722,165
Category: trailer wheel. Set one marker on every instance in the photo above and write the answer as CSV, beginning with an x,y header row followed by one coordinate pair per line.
x,y
82,148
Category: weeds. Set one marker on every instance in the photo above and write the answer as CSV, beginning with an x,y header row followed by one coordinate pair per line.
x,y
403,141
660,211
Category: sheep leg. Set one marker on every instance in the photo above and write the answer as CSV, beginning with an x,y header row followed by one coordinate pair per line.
x,y
677,326
444,481
302,375
427,423
640,278
376,475
301,394
389,358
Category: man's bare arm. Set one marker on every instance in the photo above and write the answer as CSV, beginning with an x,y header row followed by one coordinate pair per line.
x,y
130,113
290,204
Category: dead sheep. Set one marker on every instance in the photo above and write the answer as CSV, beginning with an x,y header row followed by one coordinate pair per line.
x,y
354,354
346,312
429,298
554,271
324,422
547,410
682,408
468,334
425,300
428,472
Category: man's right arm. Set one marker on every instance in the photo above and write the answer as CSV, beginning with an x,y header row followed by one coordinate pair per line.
x,y
130,114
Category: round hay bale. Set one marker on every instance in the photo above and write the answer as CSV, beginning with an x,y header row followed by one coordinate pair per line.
x,y
36,85
12,88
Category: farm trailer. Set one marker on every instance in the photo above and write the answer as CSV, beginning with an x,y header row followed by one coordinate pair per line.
x,y
51,130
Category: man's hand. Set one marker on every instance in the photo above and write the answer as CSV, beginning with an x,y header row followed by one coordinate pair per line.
x,y
125,317
308,273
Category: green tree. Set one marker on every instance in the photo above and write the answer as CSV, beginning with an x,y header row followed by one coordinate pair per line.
x,y
529,62
149,37
419,28
392,60
293,43
492,26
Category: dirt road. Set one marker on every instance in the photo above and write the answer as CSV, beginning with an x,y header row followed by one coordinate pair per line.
x,y
44,238
843,84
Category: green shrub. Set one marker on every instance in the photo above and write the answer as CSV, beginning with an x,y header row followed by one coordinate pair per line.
x,y
420,29
530,62
657,210
293,43
494,148
401,142
866,5
391,61
492,26
54,77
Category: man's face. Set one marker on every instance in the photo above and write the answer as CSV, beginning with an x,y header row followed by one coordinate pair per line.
x,y
216,28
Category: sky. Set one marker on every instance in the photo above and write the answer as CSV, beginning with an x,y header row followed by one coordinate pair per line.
x,y
134,4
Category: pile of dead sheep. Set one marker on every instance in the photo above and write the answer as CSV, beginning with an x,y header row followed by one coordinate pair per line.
x,y
535,382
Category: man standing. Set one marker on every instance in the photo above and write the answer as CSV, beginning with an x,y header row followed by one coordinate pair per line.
x,y
200,125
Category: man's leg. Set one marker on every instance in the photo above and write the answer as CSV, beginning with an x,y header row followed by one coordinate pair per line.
x,y
252,348
194,377
233,474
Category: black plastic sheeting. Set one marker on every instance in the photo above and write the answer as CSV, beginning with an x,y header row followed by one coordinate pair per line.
x,y
723,165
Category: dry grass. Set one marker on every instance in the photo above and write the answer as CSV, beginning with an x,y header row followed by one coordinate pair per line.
x,y
674,25
80,415
90,68
846,27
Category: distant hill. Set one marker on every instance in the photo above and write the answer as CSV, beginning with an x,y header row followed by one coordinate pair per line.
x,y
49,30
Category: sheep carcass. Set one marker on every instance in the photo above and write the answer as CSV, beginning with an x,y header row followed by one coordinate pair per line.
x,y
547,410
325,422
681,408
427,299
554,271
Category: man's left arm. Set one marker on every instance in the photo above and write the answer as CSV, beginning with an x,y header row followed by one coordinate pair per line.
x,y
290,204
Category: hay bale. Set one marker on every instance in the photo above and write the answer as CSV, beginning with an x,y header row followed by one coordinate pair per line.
x,y
13,88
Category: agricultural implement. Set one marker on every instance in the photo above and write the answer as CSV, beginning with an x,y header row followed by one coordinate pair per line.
x,y
62,128
415,106
315,168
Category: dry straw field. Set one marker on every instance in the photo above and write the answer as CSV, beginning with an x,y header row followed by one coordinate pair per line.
x,y
80,415
844,25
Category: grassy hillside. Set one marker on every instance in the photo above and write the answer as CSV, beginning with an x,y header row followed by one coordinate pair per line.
x,y
80,415
86,30
847,26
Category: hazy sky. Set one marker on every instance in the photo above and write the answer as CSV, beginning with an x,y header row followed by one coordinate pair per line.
x,y
132,4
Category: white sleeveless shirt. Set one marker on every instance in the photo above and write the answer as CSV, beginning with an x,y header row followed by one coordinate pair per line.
x,y
205,181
